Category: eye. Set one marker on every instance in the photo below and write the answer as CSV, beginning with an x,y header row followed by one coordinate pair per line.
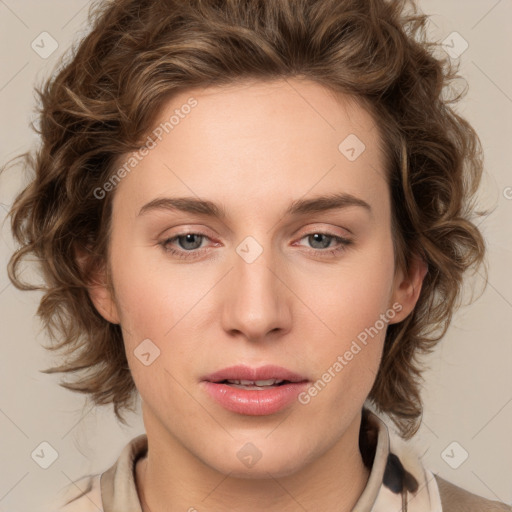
x,y
190,243
323,243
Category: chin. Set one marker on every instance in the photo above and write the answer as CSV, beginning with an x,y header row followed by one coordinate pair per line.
x,y
250,463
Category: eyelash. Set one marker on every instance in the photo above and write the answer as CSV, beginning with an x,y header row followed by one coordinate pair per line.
x,y
196,253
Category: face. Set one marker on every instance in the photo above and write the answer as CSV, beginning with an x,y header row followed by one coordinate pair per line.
x,y
281,278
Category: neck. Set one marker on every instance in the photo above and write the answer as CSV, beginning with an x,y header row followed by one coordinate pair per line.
x,y
170,478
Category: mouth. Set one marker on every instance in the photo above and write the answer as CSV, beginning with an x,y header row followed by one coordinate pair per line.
x,y
254,391
267,375
258,384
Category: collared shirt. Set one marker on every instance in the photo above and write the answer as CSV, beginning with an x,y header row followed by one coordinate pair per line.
x,y
398,480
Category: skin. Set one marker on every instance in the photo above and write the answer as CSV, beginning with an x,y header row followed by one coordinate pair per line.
x,y
254,148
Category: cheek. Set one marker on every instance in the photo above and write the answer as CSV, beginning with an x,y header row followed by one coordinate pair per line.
x,y
356,309
359,293
150,299
158,317
346,363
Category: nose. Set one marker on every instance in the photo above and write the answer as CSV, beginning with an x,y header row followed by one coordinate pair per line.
x,y
257,300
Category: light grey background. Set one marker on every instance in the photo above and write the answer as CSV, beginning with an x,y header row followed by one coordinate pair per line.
x,y
468,389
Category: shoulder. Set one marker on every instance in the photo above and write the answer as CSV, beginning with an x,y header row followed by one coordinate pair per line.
x,y
429,491
83,495
457,499
113,489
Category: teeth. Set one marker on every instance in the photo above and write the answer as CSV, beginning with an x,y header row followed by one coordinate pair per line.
x,y
268,382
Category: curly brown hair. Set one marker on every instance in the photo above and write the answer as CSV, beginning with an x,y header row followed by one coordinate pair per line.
x,y
100,105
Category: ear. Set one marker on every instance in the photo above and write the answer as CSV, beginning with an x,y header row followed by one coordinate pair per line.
x,y
407,287
98,289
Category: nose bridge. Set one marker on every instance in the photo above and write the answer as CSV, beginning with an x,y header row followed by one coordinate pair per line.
x,y
256,303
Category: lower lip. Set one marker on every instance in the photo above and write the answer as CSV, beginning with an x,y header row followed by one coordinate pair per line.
x,y
255,402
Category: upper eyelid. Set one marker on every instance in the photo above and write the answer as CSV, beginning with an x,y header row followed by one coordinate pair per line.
x,y
311,229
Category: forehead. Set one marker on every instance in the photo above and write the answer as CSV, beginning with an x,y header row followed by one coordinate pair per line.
x,y
257,143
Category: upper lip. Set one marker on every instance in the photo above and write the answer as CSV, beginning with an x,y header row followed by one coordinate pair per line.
x,y
243,372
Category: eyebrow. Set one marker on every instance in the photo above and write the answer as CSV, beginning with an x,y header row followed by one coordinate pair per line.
x,y
299,207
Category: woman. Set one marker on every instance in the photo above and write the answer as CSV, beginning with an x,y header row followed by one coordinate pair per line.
x,y
256,215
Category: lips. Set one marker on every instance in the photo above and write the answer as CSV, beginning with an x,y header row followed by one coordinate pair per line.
x,y
246,373
254,391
